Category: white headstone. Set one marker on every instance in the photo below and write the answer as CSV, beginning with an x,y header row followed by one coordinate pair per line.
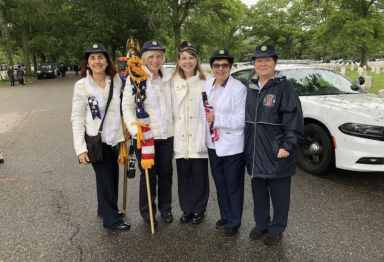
x,y
342,70
360,71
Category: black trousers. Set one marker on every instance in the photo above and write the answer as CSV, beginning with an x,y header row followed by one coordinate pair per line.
x,y
160,177
228,174
278,190
107,185
193,184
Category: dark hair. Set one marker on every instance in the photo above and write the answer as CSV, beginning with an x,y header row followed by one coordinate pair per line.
x,y
230,61
180,71
110,70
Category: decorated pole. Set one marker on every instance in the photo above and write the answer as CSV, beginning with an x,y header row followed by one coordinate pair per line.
x,y
123,160
145,140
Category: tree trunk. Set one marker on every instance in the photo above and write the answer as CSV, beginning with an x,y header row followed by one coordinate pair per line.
x,y
363,56
34,62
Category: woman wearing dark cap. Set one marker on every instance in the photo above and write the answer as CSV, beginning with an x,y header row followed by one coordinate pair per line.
x,y
99,82
158,105
225,140
274,127
190,130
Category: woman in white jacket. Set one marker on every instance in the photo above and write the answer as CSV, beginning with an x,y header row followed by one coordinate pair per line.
x,y
189,139
88,109
158,105
225,149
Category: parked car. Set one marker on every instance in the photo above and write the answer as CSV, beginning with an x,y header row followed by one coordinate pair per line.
x,y
342,127
47,71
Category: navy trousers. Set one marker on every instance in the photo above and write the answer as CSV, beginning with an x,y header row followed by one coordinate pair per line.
x,y
228,175
193,184
107,186
160,177
278,190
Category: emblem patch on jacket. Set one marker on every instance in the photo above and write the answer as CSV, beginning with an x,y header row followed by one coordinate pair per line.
x,y
269,100
94,107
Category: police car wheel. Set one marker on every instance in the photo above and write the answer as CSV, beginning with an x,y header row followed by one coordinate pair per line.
x,y
316,154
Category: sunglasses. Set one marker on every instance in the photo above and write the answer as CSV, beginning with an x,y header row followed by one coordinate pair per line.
x,y
223,66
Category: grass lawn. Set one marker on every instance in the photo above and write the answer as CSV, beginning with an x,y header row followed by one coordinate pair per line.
x,y
377,80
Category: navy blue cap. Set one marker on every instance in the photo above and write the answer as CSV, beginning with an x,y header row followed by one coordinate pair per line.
x,y
152,46
221,54
263,51
185,45
96,48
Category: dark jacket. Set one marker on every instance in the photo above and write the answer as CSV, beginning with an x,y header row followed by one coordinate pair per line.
x,y
274,120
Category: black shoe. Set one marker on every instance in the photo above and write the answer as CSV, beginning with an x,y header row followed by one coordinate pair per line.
x,y
272,240
257,234
220,224
1,158
185,219
197,218
120,214
167,217
119,226
230,231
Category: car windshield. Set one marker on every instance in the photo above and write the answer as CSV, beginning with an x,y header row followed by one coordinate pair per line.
x,y
311,82
46,67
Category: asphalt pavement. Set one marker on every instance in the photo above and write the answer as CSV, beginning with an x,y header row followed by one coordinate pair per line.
x,y
48,202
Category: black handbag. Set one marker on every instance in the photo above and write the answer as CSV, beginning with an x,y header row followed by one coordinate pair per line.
x,y
94,143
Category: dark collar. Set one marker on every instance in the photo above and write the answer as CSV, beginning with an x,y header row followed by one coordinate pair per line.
x,y
224,84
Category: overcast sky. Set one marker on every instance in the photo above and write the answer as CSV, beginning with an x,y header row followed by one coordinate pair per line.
x,y
249,2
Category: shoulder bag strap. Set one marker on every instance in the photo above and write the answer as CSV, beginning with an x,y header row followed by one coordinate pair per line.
x,y
106,108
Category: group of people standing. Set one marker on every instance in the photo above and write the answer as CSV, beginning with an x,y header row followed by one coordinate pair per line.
x,y
16,75
196,121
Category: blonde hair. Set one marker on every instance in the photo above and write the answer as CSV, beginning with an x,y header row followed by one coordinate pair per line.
x,y
149,53
179,71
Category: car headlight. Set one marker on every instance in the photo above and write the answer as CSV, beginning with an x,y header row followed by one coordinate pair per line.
x,y
362,130
49,71
38,71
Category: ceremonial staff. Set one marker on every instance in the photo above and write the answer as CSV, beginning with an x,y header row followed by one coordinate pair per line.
x,y
145,141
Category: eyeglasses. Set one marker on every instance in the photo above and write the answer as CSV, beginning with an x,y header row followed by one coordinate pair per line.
x,y
217,66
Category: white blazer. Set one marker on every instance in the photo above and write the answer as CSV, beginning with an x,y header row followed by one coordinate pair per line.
x,y
229,117
158,102
81,116
189,118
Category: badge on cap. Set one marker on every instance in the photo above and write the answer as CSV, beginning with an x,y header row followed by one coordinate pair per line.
x,y
189,44
95,46
221,52
154,43
263,48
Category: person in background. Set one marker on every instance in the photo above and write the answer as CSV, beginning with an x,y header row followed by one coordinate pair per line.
x,y
225,142
20,75
11,76
158,105
274,126
89,104
189,139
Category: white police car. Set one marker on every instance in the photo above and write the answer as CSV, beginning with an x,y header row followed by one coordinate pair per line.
x,y
343,128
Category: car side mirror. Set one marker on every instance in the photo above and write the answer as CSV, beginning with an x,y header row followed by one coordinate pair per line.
x,y
361,80
357,85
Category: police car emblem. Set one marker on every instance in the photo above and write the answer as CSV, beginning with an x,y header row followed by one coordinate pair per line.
x,y
95,46
269,100
221,52
264,48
